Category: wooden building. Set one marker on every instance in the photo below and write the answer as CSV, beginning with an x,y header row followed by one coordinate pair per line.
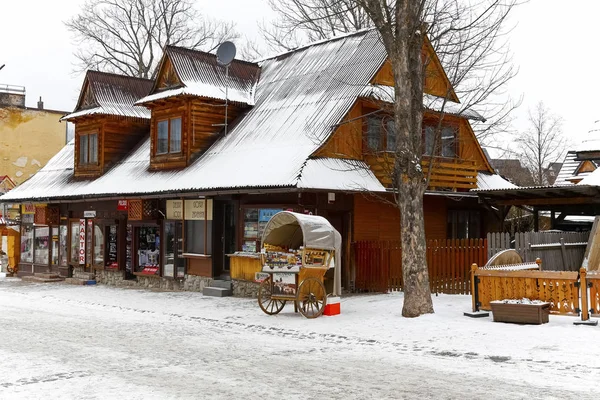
x,y
160,187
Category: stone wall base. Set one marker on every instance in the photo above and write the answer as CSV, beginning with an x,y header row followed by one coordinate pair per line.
x,y
191,283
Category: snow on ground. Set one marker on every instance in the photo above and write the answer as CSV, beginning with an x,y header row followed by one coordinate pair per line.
x,y
70,342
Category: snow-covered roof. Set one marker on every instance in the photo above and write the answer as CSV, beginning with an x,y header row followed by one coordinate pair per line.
x,y
486,181
200,75
339,174
568,171
111,94
430,102
299,100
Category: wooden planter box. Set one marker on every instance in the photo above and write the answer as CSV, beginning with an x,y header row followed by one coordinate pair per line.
x,y
520,313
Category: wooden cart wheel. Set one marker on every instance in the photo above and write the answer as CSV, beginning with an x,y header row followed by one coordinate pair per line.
x,y
312,297
265,301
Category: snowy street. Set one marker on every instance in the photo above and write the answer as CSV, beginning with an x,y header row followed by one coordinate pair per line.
x,y
97,342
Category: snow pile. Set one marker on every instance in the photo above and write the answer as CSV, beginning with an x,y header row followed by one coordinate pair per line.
x,y
524,300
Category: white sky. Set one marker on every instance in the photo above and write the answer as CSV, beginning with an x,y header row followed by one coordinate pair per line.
x,y
553,45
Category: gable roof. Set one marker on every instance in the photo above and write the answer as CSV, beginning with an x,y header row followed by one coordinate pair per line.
x,y
200,75
111,94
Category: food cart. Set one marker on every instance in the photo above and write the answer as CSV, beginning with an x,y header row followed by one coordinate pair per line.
x,y
297,250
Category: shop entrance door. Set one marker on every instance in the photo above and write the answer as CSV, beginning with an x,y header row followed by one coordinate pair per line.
x,y
225,232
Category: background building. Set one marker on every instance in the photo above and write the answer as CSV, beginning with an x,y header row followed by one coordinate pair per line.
x,y
29,137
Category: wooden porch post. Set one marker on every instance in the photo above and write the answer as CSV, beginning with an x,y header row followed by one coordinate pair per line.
x,y
536,220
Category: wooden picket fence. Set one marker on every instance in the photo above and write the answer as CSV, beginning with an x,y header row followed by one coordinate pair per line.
x,y
379,264
559,251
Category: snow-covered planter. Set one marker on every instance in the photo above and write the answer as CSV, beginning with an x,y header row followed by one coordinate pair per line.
x,y
521,311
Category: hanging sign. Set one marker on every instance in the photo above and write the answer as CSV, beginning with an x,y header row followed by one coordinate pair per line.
x,y
122,205
27,208
198,210
89,214
174,209
82,242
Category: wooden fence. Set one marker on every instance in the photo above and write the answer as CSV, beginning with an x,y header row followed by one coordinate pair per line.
x,y
560,288
593,280
559,251
379,264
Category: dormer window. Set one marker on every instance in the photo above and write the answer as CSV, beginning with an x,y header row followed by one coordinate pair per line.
x,y
88,148
168,136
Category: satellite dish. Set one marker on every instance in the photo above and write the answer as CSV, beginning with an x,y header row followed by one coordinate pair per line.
x,y
225,53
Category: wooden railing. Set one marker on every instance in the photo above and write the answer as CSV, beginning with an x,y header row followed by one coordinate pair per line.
x,y
560,288
379,264
453,173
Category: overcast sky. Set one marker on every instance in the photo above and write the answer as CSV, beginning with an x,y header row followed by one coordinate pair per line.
x,y
554,45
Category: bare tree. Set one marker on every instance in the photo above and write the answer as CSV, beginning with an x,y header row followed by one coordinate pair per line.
x,y
468,37
127,36
401,30
543,143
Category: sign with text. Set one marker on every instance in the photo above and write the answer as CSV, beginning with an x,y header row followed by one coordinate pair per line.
x,y
82,242
27,208
198,210
89,214
122,205
174,209
265,214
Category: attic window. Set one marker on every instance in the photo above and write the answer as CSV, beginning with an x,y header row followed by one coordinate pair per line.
x,y
380,134
448,147
88,149
168,136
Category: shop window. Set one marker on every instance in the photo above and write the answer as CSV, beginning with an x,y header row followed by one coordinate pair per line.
x,y
41,244
129,249
98,245
380,134
255,221
448,145
196,239
74,242
148,254
111,247
27,243
55,246
464,224
62,239
168,136
88,148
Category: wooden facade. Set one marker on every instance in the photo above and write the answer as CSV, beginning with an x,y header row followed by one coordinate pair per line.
x,y
116,137
201,123
455,173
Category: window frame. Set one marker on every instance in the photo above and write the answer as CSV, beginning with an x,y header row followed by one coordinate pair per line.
x,y
383,122
88,153
439,150
169,121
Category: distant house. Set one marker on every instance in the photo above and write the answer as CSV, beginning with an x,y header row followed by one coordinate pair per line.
x,y
29,137
155,190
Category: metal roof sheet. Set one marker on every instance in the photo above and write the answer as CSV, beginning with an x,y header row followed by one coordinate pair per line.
x,y
430,102
200,75
299,100
111,94
486,181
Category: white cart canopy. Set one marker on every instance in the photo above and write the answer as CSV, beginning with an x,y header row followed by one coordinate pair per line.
x,y
293,230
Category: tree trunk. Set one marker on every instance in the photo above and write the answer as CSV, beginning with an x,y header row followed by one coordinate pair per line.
x,y
417,295
407,65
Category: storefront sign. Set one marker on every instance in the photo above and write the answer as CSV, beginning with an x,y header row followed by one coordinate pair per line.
x,y
265,214
89,214
27,208
198,210
122,205
174,209
82,242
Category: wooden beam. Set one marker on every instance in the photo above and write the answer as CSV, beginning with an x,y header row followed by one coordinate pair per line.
x,y
549,201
